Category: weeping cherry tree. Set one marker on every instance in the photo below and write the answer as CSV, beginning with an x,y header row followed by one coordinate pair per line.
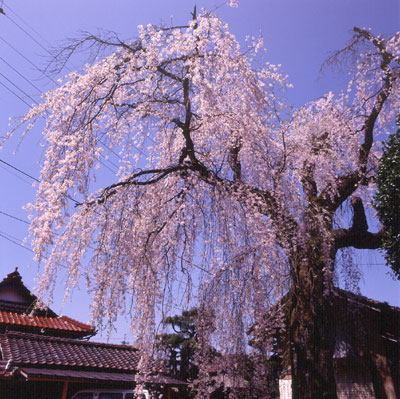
x,y
224,195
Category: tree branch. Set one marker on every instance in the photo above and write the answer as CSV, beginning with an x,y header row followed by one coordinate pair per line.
x,y
234,161
357,235
348,184
133,180
359,218
344,238
308,182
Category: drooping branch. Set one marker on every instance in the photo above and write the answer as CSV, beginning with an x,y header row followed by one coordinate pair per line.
x,y
134,180
261,200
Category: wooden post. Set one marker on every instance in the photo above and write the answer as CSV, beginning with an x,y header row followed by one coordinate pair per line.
x,y
386,378
65,390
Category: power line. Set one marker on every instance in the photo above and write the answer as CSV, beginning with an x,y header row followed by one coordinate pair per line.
x,y
15,174
26,23
14,217
37,68
20,98
15,94
19,170
28,60
31,177
17,87
44,40
106,166
28,34
20,74
15,242
36,41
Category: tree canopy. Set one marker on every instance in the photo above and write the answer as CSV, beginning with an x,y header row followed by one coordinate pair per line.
x,y
179,346
224,195
387,199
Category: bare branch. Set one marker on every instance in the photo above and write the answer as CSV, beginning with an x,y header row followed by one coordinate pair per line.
x,y
344,238
156,176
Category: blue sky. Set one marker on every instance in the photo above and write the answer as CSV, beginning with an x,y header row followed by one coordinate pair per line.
x,y
300,35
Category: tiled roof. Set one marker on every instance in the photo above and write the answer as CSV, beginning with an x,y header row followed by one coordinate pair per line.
x,y
54,323
35,350
14,281
10,306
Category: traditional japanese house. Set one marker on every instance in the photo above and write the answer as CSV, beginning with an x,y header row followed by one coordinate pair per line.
x,y
367,361
43,355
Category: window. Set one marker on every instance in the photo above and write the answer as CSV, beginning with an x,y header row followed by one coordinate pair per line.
x,y
84,395
132,396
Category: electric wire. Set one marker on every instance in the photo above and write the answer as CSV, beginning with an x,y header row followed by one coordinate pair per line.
x,y
37,68
32,177
17,87
15,94
36,41
14,241
44,40
15,174
19,170
21,99
28,60
14,217
20,74
18,242
26,23
28,34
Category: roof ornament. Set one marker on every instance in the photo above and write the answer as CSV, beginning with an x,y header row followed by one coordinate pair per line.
x,y
8,365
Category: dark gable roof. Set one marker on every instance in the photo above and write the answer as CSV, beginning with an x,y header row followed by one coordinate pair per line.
x,y
42,351
21,315
376,320
14,281
354,312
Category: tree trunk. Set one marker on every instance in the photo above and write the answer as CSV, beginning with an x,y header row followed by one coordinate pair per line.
x,y
312,329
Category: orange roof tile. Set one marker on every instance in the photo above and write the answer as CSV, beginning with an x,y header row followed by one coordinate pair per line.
x,y
54,323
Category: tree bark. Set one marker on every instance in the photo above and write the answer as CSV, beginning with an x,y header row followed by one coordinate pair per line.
x,y
312,329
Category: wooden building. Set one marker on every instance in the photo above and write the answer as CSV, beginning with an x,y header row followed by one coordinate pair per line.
x,y
43,355
367,349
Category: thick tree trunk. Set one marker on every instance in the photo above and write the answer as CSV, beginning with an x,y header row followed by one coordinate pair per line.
x,y
312,330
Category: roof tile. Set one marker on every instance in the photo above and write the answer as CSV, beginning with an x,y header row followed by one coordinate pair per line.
x,y
31,349
54,323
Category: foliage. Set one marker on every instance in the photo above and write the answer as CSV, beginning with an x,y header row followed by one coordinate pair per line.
x,y
387,199
179,346
225,197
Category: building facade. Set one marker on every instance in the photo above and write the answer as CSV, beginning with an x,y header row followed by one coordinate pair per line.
x,y
44,355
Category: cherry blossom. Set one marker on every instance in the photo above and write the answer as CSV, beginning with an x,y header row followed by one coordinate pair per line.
x,y
224,196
